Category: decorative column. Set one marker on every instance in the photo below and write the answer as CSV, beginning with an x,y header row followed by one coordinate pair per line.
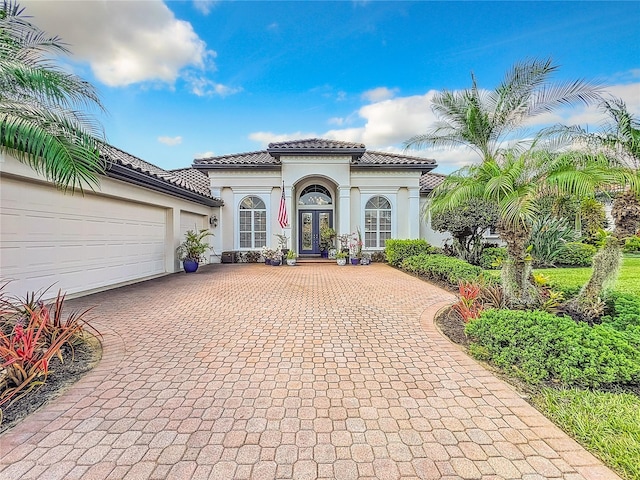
x,y
288,231
414,212
344,198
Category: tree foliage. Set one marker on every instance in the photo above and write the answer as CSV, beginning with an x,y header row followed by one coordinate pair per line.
x,y
518,185
485,120
467,225
42,108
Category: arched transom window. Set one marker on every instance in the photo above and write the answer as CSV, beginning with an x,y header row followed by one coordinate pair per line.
x,y
315,195
377,222
253,223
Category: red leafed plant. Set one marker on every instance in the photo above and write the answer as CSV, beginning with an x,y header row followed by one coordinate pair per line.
x,y
469,306
31,334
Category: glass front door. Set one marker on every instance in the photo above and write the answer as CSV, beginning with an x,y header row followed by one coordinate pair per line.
x,y
310,222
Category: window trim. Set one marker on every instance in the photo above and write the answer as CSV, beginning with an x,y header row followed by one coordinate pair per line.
x,y
377,230
252,231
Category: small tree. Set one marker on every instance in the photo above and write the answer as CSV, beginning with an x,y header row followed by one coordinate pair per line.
x,y
467,224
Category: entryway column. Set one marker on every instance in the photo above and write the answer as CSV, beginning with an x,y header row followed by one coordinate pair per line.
x,y
344,214
414,212
288,231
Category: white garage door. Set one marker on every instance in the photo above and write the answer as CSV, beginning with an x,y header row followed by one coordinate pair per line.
x,y
76,243
191,221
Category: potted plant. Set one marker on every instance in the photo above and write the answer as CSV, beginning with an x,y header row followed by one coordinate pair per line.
x,y
341,258
291,258
283,243
343,239
267,253
355,247
191,250
365,259
327,234
276,257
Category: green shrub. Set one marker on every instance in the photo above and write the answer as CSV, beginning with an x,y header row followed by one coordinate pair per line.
x,y
492,257
632,245
624,310
397,250
548,236
442,268
576,254
624,315
538,346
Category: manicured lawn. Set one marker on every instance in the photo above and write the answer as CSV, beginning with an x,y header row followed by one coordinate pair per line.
x,y
608,424
628,281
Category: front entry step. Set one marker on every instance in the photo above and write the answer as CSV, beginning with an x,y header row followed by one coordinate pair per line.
x,y
314,259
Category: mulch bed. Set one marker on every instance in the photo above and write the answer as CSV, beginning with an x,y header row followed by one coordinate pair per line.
x,y
452,326
62,376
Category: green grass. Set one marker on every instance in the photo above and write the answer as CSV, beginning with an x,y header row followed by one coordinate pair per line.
x,y
628,281
608,424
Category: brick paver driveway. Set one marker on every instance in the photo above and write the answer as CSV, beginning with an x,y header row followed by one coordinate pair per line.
x,y
317,371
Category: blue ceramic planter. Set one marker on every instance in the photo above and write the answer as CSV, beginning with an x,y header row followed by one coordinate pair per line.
x,y
189,265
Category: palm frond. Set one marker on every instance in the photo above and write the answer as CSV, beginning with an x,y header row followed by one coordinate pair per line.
x,y
42,118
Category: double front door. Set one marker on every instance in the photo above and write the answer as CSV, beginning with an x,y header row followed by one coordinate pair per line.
x,y
310,223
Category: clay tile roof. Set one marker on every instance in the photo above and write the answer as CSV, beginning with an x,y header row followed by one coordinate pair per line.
x,y
261,158
315,144
360,157
429,181
196,178
183,181
382,158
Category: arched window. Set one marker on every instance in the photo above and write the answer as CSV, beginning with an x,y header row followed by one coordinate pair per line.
x,y
253,223
315,195
377,222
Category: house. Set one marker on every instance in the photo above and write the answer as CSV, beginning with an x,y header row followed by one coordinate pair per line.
x,y
127,230
341,185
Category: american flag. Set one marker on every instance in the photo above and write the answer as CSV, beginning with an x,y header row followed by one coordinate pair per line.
x,y
283,218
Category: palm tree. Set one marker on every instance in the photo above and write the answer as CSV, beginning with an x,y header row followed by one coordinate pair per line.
x,y
42,121
486,120
620,141
519,184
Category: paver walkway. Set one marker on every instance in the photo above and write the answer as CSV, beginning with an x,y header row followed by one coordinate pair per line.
x,y
317,371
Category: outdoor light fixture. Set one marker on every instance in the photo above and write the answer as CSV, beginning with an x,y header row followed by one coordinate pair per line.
x,y
213,221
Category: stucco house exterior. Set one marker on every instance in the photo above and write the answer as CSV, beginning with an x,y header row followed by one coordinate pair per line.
x,y
341,185
127,230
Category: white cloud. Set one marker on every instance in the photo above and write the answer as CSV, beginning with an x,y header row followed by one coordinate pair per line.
x,y
204,155
388,123
339,121
203,87
379,94
171,141
204,6
124,42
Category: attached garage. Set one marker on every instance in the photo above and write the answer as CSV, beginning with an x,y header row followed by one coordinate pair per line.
x,y
77,242
126,231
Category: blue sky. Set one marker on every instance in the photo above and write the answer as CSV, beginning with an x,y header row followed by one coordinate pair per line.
x,y
186,79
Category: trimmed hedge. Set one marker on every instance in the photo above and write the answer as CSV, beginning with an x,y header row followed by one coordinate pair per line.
x,y
491,256
576,254
397,250
624,315
442,268
538,346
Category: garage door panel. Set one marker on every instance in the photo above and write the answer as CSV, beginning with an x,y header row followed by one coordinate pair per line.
x,y
79,243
